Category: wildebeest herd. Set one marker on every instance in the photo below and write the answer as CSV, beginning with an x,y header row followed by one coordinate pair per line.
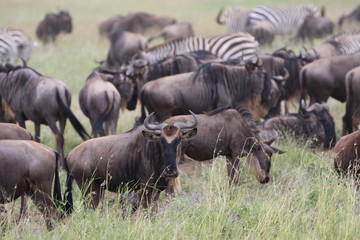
x,y
233,92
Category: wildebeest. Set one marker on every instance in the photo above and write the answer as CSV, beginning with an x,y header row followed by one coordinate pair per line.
x,y
293,65
124,45
142,71
212,86
351,120
30,167
346,155
352,17
263,32
173,31
105,26
141,22
315,27
325,77
100,101
141,161
15,132
43,100
314,123
232,134
52,25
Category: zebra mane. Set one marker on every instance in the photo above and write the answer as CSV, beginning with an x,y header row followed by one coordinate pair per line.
x,y
347,42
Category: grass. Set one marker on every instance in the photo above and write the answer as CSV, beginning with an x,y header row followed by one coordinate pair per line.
x,y
304,199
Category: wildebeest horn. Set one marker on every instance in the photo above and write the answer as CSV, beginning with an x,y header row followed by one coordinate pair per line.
x,y
181,125
98,61
282,78
153,126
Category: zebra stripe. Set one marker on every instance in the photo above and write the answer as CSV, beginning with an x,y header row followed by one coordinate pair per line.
x,y
228,46
283,20
22,41
8,49
348,42
236,19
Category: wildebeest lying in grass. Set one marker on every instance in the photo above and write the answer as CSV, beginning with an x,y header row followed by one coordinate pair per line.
x,y
141,161
30,167
232,134
314,123
346,150
43,100
52,25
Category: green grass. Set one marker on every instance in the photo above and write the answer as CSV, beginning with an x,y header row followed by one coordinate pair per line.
x,y
304,199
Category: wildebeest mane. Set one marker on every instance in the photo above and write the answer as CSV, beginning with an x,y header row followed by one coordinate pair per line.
x,y
235,79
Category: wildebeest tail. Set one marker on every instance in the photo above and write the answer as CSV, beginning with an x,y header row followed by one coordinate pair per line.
x,y
131,105
349,104
142,101
302,103
57,188
97,128
74,121
69,205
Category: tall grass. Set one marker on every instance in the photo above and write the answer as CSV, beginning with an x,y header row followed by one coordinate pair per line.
x,y
304,199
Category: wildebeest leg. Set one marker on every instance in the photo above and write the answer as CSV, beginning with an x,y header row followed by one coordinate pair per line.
x,y
37,132
23,205
42,200
233,169
58,136
110,125
62,123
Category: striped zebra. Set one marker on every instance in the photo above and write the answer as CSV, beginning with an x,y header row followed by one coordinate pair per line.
x,y
23,42
235,19
229,46
283,20
348,42
8,49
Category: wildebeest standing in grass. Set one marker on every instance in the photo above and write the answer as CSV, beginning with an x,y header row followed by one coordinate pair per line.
x,y
52,25
173,31
351,120
352,17
100,102
212,86
233,134
124,45
40,99
314,123
140,161
30,167
325,77
346,155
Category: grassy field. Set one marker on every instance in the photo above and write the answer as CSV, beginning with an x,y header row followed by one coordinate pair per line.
x,y
304,199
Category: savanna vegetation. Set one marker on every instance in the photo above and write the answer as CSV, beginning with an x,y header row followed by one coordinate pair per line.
x,y
304,199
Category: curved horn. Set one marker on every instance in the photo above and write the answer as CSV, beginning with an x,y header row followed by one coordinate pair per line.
x,y
153,126
181,125
281,78
218,17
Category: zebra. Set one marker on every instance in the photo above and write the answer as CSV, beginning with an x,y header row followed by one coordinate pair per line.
x,y
348,42
23,43
283,20
228,46
8,49
235,19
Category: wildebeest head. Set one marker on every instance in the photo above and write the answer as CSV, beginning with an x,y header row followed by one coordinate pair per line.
x,y
65,19
170,137
260,155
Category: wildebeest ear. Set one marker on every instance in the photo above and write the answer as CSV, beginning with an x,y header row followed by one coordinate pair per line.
x,y
189,134
273,149
151,136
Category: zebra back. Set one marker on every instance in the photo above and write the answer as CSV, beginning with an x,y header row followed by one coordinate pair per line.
x,y
283,20
348,43
22,41
236,19
228,46
8,49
